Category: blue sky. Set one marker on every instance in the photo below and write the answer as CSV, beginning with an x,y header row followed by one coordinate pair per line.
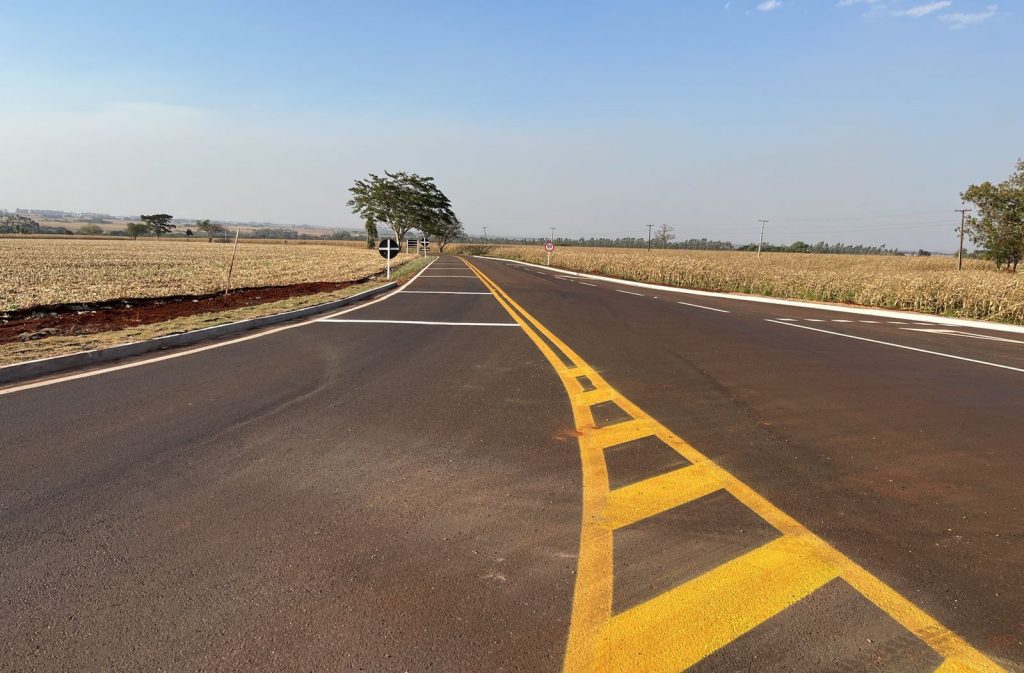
x,y
836,120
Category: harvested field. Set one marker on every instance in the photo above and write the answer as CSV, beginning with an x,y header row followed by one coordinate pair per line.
x,y
44,272
923,284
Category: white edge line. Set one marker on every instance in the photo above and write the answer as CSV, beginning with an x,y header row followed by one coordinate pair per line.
x,y
709,308
889,343
876,312
193,351
632,293
420,322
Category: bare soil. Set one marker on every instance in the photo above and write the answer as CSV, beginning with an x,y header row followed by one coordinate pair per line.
x,y
73,319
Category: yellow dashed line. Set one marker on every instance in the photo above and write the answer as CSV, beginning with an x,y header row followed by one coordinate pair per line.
x,y
679,627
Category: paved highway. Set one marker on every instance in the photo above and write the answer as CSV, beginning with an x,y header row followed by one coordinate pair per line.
x,y
504,468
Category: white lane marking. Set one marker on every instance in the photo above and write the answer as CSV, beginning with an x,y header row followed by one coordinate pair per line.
x,y
633,293
447,275
840,320
786,319
969,335
441,292
590,284
200,349
708,308
889,343
814,320
421,322
894,322
873,322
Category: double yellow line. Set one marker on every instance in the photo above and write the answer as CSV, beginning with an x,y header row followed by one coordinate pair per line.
x,y
683,625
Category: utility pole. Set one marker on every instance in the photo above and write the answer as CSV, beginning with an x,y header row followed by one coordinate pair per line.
x,y
760,240
649,228
960,254
485,234
552,239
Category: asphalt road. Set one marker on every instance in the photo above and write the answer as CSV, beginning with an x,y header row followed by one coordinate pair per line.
x,y
431,481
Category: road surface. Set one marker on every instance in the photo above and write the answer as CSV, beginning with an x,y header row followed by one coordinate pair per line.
x,y
516,470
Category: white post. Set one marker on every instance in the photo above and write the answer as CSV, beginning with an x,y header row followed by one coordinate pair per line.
x,y
549,258
389,262
231,266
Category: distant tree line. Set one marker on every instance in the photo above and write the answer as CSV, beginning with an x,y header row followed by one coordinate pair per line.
x,y
698,244
13,223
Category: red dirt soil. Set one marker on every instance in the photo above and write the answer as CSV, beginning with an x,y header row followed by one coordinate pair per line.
x,y
72,319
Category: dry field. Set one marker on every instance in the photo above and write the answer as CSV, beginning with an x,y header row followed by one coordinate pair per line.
x,y
43,271
924,284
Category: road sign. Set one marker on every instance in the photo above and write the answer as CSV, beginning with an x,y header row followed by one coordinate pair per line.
x,y
389,248
549,246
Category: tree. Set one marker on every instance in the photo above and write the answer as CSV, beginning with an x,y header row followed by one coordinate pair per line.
x,y
998,227
401,201
371,233
11,223
90,230
663,234
136,229
211,229
159,223
445,230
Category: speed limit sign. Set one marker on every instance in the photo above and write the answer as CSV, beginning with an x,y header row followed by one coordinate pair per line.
x,y
549,246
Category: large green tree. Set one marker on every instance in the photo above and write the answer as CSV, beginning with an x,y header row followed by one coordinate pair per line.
x,y
402,202
998,225
159,224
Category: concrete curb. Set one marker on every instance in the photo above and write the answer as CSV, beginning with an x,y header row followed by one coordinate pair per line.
x,y
874,312
35,368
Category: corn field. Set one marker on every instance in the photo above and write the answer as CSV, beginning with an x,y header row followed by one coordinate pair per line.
x,y
39,272
923,284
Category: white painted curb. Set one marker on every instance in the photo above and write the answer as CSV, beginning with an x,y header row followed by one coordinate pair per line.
x,y
838,308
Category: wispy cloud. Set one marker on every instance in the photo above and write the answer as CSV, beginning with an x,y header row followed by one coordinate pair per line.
x,y
923,10
847,3
965,19
769,5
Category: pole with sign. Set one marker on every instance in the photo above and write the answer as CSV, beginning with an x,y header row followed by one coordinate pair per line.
x,y
549,247
389,248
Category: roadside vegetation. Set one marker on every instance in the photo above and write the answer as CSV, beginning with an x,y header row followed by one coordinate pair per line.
x,y
925,284
46,271
21,351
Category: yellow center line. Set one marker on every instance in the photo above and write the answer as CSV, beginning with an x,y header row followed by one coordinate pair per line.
x,y
728,600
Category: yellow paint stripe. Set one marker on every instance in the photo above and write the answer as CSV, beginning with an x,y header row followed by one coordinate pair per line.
x,y
953,666
592,397
592,598
601,438
646,498
682,626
